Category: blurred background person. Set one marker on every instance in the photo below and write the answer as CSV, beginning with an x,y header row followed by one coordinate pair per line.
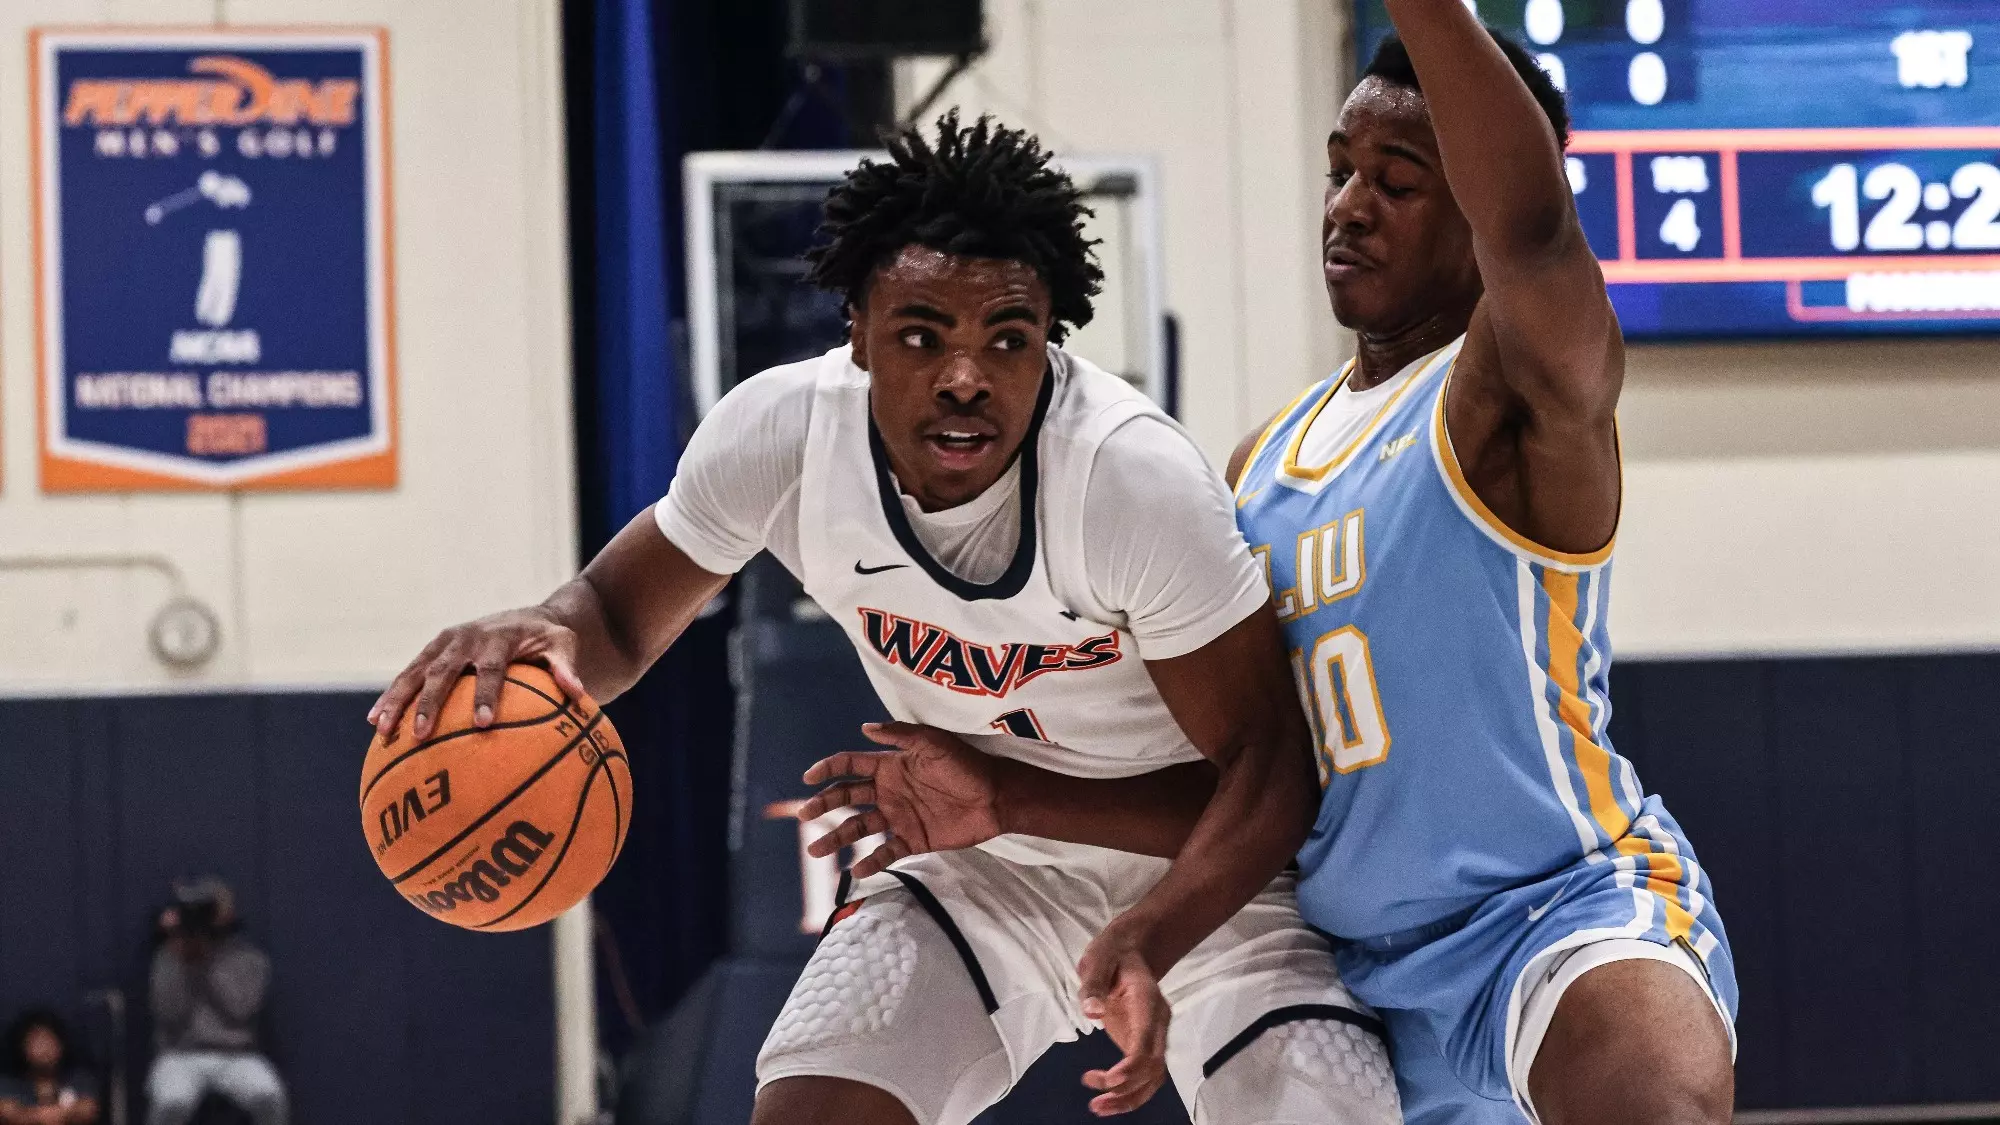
x,y
208,986
46,1082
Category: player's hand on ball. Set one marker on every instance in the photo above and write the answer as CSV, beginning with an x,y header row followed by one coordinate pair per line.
x,y
485,647
932,793
1120,991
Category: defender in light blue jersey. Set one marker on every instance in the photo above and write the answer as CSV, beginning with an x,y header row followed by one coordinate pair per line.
x,y
1436,522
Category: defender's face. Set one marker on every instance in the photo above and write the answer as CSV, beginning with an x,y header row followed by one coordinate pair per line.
x,y
955,348
1396,249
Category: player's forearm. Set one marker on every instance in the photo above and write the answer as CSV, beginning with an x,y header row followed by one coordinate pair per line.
x,y
1149,814
1500,155
607,659
630,604
1264,804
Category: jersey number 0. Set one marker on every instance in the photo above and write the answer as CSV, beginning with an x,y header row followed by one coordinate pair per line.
x,y
1346,709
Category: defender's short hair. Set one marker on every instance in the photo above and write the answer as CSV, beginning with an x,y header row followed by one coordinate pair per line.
x,y
979,190
1392,64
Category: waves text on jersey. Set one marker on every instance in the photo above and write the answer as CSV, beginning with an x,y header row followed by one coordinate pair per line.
x,y
964,666
236,92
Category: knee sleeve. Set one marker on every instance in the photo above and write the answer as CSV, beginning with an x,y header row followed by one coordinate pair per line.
x,y
887,1001
1303,1072
853,986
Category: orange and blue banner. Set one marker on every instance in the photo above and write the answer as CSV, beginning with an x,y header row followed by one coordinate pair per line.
x,y
212,232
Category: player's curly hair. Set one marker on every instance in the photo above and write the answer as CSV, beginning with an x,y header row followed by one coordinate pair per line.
x,y
1392,64
981,190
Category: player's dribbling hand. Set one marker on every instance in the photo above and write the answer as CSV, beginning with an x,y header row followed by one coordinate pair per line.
x,y
932,793
486,647
1120,991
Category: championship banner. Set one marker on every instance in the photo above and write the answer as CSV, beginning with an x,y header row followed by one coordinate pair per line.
x,y
214,301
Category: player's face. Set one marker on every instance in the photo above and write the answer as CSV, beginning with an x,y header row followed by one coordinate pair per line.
x,y
1395,248
955,351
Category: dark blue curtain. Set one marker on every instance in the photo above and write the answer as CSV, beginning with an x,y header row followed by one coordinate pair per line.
x,y
648,81
637,435
661,910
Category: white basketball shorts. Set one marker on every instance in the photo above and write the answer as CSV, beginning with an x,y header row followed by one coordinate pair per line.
x,y
958,969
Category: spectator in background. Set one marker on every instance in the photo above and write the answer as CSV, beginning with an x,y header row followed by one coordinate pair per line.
x,y
208,987
45,1083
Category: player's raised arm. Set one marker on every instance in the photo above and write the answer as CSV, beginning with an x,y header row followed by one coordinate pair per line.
x,y
1501,157
1543,360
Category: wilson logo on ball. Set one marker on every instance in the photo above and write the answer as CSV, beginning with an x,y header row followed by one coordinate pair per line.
x,y
511,857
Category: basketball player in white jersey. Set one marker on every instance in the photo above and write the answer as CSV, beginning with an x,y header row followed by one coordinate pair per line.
x,y
1039,566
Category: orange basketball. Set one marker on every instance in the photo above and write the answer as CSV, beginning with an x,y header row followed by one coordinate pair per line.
x,y
506,827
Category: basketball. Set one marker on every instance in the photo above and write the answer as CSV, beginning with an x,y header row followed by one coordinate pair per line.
x,y
505,827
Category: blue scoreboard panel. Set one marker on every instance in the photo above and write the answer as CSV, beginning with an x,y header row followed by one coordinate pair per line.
x,y
1778,167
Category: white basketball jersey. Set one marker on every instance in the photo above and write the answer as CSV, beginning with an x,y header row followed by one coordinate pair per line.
x,y
1005,664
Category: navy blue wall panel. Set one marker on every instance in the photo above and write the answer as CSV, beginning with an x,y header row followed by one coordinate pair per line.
x,y
1834,734
1834,803
1954,736
377,1013
41,855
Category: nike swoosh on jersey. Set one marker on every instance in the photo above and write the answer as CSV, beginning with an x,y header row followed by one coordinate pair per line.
x,y
1535,912
859,569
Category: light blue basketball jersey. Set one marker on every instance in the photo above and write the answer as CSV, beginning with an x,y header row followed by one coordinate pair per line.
x,y
1457,677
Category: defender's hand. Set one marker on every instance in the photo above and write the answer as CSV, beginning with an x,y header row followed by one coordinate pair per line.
x,y
933,793
486,647
1120,990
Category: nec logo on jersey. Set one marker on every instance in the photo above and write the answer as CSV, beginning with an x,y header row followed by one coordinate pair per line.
x,y
1396,445
975,669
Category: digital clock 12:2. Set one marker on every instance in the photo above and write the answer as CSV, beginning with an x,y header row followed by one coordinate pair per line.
x,y
1771,168
1860,227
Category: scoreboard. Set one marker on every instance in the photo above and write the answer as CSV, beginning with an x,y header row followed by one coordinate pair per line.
x,y
1751,168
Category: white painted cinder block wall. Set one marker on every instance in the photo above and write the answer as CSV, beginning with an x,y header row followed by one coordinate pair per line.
x,y
1781,498
334,588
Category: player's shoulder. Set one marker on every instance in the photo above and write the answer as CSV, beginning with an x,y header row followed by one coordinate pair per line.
x,y
1150,446
1119,433
774,387
1083,385
1091,404
779,399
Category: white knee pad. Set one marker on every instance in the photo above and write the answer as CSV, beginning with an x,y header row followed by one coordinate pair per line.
x,y
888,1002
1305,1072
853,986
